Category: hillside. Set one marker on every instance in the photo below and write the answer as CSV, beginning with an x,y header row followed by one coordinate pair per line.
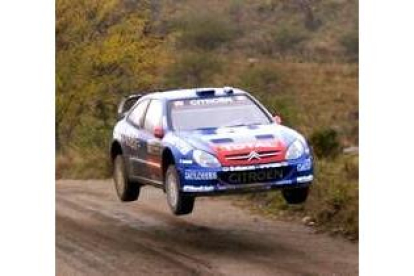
x,y
300,58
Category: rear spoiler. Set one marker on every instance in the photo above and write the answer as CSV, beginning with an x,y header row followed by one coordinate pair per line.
x,y
126,104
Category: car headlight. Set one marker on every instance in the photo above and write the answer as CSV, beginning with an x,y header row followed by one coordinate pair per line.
x,y
295,150
205,159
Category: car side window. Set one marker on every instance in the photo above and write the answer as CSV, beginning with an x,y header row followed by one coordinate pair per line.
x,y
137,115
154,116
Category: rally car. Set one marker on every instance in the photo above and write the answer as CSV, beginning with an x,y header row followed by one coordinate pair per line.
x,y
209,141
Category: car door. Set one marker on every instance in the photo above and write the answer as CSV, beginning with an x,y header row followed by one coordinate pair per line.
x,y
132,140
151,151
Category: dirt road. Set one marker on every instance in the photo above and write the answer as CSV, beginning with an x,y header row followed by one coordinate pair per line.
x,y
98,235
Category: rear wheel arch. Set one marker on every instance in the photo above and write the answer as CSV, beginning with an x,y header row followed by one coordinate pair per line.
x,y
167,160
126,189
116,149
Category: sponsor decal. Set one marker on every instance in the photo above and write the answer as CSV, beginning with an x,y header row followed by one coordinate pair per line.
x,y
187,188
238,168
213,101
198,175
259,186
255,176
129,137
260,166
250,145
186,161
154,147
130,141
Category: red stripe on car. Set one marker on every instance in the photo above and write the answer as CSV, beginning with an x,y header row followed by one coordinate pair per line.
x,y
240,154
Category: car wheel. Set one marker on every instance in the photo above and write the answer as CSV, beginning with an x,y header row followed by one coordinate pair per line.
x,y
180,204
125,189
295,195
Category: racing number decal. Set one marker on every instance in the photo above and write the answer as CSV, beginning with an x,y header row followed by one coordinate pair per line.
x,y
131,142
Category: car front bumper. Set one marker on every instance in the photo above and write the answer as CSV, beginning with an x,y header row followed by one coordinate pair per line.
x,y
200,181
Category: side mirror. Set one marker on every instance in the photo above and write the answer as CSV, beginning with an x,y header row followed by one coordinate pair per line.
x,y
277,119
126,104
158,132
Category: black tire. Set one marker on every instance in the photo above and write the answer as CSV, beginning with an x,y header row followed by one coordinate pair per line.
x,y
125,189
180,204
295,195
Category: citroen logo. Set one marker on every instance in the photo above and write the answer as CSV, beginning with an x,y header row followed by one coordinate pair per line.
x,y
253,155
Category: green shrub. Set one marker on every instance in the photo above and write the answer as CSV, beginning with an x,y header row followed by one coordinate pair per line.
x,y
206,32
335,196
193,70
325,142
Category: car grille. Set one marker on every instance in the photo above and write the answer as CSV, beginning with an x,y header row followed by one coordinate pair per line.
x,y
255,176
249,156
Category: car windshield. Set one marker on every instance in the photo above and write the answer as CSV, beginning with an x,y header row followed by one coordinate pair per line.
x,y
216,112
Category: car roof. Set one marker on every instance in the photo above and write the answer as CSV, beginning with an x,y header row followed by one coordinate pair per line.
x,y
181,94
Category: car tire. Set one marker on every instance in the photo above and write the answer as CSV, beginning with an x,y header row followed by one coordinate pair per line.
x,y
180,204
125,189
295,195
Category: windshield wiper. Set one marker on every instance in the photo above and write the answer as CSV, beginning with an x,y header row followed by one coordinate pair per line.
x,y
205,128
239,125
236,125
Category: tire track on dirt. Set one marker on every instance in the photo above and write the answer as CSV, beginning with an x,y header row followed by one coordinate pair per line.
x,y
97,235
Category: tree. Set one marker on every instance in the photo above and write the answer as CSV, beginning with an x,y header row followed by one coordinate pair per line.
x,y
102,53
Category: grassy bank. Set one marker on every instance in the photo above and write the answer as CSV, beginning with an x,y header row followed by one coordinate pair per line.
x,y
332,205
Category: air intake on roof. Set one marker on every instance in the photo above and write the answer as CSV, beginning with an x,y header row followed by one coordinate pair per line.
x,y
228,90
205,92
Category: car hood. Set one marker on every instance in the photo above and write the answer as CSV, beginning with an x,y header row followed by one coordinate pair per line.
x,y
243,145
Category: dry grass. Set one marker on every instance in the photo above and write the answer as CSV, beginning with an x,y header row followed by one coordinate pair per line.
x,y
318,96
332,204
83,164
323,95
